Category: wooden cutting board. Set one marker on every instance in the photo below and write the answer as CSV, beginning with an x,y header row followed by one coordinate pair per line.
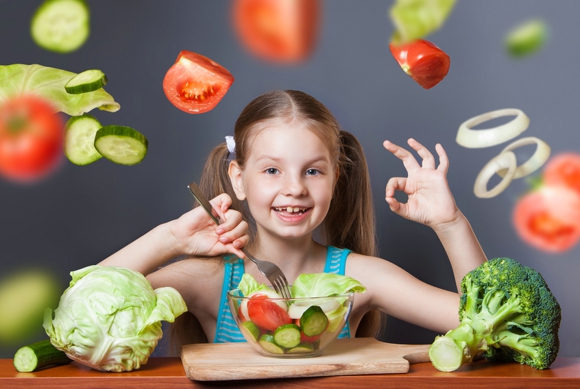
x,y
239,361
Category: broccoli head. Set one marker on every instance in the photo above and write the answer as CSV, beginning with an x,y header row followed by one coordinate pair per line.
x,y
506,313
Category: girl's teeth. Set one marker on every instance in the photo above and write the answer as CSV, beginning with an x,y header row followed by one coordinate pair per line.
x,y
291,209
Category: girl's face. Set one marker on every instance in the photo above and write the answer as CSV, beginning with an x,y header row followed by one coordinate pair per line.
x,y
288,179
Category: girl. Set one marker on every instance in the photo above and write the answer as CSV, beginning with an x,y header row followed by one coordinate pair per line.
x,y
303,186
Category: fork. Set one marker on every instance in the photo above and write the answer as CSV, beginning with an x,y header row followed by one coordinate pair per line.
x,y
272,272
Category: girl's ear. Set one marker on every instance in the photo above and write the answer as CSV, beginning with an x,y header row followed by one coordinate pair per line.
x,y
235,173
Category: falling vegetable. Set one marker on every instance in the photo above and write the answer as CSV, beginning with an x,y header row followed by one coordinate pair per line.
x,y
526,38
61,26
109,318
415,19
426,63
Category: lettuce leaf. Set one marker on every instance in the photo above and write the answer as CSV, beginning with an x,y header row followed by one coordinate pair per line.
x,y
415,19
249,285
49,83
325,284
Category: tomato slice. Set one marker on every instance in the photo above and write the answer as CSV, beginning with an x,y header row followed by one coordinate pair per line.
x,y
31,138
549,218
267,314
196,84
563,169
426,63
278,31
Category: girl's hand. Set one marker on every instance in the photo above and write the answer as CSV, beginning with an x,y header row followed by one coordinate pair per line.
x,y
430,201
198,235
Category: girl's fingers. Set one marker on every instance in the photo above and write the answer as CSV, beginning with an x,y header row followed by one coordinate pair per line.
x,y
443,159
404,155
394,184
428,159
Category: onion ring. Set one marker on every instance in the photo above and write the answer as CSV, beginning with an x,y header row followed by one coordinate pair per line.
x,y
501,161
539,157
474,139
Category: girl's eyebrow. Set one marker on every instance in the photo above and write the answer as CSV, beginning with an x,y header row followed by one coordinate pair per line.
x,y
276,159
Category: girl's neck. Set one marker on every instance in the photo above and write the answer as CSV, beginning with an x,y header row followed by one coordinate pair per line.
x,y
294,256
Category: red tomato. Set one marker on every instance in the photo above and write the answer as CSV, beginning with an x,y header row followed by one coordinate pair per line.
x,y
196,84
267,314
426,63
549,218
31,138
309,339
563,169
275,30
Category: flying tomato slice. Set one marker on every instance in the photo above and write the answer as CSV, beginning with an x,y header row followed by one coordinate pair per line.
x,y
426,63
196,84
31,138
277,30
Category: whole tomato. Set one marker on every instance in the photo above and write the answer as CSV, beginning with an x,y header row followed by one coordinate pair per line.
x,y
563,169
426,63
549,218
31,138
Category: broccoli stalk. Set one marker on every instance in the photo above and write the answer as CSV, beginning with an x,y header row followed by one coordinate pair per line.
x,y
507,313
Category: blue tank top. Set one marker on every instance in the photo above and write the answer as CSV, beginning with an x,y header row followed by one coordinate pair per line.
x,y
226,329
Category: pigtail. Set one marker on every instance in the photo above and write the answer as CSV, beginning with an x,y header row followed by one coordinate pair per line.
x,y
350,221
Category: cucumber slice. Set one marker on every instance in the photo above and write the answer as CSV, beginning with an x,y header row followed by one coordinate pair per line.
x,y
87,81
250,331
314,321
287,335
61,26
37,355
302,348
79,139
269,344
121,144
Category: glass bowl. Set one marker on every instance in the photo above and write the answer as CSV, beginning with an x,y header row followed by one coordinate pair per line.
x,y
290,328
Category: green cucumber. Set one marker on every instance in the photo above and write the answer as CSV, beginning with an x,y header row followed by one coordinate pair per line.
x,y
301,348
269,344
61,26
87,81
287,335
250,331
38,355
121,144
79,139
526,38
313,321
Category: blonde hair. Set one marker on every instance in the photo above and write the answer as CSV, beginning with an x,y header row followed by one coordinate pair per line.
x,y
350,220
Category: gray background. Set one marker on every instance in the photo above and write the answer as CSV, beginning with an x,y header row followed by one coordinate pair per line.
x,y
80,215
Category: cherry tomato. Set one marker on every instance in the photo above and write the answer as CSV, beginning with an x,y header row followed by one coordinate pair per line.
x,y
549,218
31,138
563,169
196,84
267,314
426,63
278,31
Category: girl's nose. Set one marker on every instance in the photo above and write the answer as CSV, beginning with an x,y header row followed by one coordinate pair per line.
x,y
294,186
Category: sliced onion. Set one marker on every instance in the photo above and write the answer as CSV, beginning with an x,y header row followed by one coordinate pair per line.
x,y
505,160
473,139
539,157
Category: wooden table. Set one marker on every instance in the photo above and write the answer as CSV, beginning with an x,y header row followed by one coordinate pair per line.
x,y
168,373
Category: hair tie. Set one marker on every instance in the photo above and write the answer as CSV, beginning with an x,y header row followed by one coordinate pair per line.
x,y
231,143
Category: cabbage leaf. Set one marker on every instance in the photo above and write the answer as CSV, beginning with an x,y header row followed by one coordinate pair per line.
x,y
49,83
249,285
109,318
325,284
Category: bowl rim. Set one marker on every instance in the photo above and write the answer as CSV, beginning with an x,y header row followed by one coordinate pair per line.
x,y
346,295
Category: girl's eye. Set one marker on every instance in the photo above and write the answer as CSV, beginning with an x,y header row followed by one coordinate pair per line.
x,y
312,172
271,171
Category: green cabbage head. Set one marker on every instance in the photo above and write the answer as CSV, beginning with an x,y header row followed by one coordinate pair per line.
x,y
109,318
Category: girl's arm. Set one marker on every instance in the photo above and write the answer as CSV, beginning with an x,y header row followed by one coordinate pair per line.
x,y
193,234
430,202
